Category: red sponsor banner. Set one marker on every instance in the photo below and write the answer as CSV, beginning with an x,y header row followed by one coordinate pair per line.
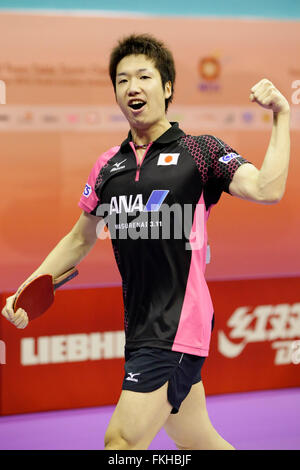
x,y
255,343
70,357
73,356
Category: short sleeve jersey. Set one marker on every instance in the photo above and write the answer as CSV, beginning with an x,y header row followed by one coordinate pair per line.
x,y
156,212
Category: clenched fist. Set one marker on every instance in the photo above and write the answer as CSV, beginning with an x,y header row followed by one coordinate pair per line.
x,y
18,318
267,96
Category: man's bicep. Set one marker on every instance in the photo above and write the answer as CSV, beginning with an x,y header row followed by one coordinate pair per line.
x,y
244,183
86,227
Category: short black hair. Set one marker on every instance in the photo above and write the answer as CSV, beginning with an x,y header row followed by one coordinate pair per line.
x,y
151,47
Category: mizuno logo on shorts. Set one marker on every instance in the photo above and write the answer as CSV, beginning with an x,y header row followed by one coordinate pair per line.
x,y
131,377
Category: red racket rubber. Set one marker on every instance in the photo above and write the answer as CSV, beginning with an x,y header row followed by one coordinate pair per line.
x,y
37,295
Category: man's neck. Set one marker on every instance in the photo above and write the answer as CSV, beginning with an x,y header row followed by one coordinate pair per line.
x,y
145,136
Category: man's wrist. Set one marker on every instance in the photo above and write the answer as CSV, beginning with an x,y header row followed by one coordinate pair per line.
x,y
283,112
282,116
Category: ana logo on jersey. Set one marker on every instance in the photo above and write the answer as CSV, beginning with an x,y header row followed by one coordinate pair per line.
x,y
227,158
168,159
117,166
135,203
87,190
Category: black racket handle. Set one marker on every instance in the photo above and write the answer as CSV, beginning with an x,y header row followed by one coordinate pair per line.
x,y
67,279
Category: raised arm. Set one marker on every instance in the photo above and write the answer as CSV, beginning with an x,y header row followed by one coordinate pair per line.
x,y
267,185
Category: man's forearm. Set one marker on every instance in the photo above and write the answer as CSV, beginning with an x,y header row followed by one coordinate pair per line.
x,y
273,173
67,253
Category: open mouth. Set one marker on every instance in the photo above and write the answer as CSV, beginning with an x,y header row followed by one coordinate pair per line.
x,y
137,105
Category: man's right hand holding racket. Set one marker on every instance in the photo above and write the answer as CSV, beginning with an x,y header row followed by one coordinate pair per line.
x,y
18,318
34,297
36,294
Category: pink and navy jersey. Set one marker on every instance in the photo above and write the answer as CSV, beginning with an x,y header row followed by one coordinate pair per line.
x,y
156,212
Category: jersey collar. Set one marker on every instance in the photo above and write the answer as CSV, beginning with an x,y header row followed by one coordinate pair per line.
x,y
171,134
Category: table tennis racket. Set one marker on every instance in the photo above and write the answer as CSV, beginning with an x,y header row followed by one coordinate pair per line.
x,y
37,295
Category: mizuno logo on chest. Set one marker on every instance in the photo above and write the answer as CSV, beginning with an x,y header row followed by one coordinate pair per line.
x,y
117,166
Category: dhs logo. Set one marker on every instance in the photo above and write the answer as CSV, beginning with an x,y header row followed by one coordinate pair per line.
x,y
209,69
227,158
87,190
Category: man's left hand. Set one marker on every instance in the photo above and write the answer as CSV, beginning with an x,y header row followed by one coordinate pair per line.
x,y
266,95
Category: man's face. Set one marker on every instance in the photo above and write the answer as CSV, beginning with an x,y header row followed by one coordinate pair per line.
x,y
139,91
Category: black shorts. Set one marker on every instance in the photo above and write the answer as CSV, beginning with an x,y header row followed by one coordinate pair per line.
x,y
147,369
